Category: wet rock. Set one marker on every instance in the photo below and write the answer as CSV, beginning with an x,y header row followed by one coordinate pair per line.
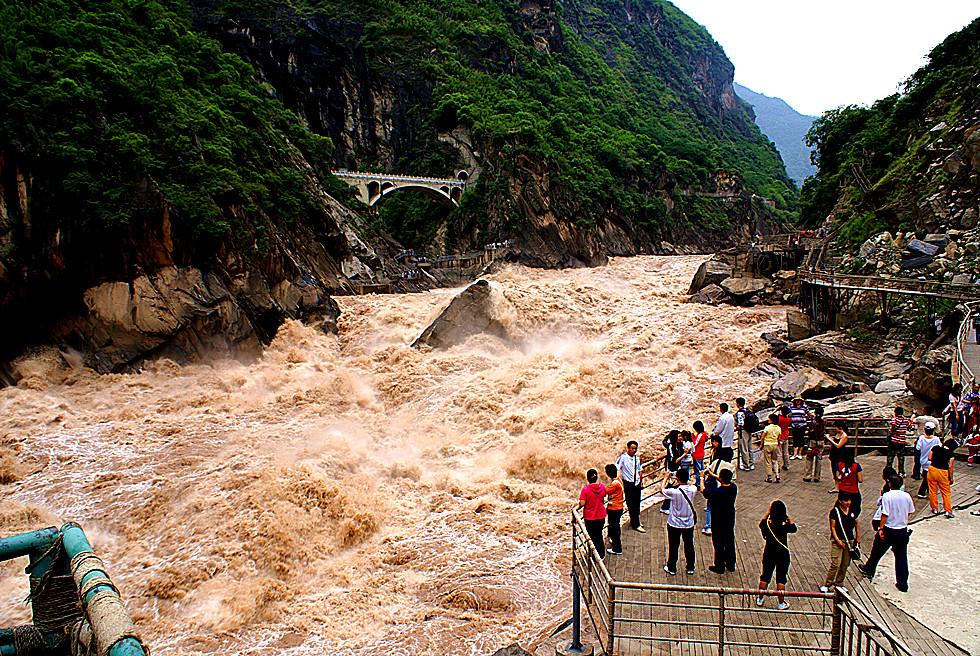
x,y
930,379
808,383
712,271
775,341
474,310
837,355
892,386
797,325
856,407
741,289
180,313
711,295
937,239
511,650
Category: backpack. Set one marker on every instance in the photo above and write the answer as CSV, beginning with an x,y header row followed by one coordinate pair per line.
x,y
751,423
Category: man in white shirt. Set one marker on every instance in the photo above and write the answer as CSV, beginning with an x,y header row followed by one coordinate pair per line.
x,y
923,446
629,466
725,429
680,521
896,506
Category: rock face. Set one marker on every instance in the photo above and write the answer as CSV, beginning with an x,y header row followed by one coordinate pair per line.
x,y
797,325
474,310
837,355
931,378
807,383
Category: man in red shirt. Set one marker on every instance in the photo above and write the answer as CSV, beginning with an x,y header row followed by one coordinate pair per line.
x,y
898,439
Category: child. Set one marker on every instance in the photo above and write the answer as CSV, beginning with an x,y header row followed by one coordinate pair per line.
x,y
687,449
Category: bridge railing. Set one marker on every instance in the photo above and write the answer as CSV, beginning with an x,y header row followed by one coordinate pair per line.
x,y
858,633
354,175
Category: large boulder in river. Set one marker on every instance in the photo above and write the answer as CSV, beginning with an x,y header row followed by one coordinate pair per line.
x,y
808,383
742,289
931,378
712,271
474,310
710,295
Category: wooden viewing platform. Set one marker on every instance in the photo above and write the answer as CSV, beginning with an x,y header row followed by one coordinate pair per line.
x,y
706,614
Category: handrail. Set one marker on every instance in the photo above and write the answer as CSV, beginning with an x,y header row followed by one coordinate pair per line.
x,y
959,362
894,640
354,175
957,291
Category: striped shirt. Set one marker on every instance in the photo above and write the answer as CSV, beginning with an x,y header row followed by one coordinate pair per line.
x,y
798,415
901,428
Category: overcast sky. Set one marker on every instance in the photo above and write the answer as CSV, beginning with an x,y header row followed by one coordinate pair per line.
x,y
821,55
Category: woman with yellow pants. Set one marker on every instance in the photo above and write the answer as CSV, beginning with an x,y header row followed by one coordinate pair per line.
x,y
940,476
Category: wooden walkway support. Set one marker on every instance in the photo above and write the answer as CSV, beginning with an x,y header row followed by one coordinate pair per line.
x,y
635,608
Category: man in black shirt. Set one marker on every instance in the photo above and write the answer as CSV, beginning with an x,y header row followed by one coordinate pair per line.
x,y
722,500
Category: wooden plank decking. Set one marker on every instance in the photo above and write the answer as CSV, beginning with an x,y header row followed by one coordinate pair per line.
x,y
809,505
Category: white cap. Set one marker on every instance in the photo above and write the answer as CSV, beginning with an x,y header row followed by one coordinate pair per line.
x,y
930,425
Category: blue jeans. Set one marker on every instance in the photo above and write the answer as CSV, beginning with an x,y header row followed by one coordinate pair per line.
x,y
707,515
698,468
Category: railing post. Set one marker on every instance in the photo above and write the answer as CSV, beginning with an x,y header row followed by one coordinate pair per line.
x,y
835,626
576,614
612,618
721,624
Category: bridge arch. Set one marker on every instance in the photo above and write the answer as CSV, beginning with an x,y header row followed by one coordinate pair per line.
x,y
442,194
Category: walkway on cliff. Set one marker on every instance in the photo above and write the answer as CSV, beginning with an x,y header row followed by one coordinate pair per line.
x,y
665,621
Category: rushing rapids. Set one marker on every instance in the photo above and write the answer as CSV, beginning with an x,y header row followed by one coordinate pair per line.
x,y
350,493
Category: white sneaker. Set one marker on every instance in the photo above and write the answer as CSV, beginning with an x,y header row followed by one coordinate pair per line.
x,y
824,588
782,605
759,601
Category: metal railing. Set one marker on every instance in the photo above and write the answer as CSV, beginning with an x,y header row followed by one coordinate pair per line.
x,y
858,633
961,371
911,286
644,618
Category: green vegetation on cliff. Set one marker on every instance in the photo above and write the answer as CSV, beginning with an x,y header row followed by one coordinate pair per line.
x,y
605,104
117,108
885,143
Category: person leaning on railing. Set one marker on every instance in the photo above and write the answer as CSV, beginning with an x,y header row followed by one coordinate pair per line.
x,y
590,501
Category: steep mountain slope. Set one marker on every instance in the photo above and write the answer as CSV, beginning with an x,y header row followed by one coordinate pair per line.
x,y
585,117
910,162
786,127
165,179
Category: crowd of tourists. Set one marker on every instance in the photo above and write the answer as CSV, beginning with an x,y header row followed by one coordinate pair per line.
x,y
699,462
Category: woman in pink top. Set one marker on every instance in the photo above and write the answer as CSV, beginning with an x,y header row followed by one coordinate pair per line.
x,y
593,510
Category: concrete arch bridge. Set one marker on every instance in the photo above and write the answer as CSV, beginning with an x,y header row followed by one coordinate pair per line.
x,y
372,187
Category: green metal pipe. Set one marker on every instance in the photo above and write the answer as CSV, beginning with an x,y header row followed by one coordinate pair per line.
x,y
7,647
23,544
75,542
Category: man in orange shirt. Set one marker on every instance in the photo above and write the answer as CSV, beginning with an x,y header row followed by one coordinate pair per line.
x,y
614,510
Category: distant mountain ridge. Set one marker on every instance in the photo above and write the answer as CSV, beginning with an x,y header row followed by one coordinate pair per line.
x,y
786,127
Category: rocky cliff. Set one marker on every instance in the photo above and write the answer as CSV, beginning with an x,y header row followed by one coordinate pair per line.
x,y
165,167
582,118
